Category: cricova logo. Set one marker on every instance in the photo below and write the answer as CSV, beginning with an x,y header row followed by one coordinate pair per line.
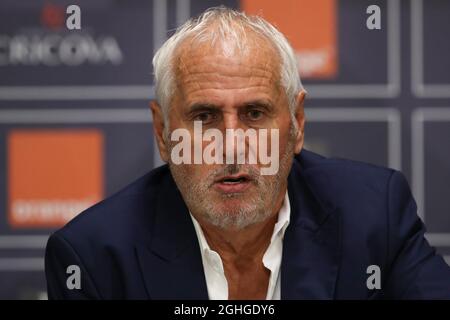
x,y
58,49
52,44
236,147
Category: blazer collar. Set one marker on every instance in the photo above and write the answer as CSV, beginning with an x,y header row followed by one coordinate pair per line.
x,y
171,264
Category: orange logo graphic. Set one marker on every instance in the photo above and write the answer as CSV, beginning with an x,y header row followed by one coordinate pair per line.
x,y
311,28
53,175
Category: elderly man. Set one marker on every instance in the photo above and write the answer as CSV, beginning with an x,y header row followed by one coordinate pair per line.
x,y
313,228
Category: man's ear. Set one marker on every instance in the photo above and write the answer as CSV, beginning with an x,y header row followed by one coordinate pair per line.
x,y
300,119
158,130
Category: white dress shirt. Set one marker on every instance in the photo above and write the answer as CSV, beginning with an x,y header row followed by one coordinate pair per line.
x,y
216,281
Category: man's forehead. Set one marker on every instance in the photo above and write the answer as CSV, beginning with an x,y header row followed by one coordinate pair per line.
x,y
252,56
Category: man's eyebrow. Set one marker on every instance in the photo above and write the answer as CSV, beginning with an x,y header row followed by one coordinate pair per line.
x,y
200,106
265,104
205,106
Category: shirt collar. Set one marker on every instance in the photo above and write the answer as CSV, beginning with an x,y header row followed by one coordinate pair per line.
x,y
204,246
284,216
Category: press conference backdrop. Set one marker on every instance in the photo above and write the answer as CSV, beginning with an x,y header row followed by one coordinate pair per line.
x,y
75,125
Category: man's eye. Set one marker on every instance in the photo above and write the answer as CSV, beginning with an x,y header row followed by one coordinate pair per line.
x,y
204,117
254,115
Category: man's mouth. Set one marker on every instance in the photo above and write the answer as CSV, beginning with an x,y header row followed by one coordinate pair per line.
x,y
232,183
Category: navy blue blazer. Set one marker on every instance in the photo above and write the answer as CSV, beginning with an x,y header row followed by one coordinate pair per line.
x,y
345,216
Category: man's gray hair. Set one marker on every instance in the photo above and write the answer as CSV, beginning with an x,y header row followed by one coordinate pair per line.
x,y
223,24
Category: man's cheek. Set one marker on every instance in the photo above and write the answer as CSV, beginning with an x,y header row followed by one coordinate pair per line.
x,y
197,173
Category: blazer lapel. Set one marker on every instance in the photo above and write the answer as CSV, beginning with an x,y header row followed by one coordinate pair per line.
x,y
311,246
171,264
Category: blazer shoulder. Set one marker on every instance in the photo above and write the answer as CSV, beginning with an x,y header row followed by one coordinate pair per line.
x,y
338,168
120,216
347,184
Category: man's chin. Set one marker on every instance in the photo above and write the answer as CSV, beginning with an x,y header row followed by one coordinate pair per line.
x,y
233,206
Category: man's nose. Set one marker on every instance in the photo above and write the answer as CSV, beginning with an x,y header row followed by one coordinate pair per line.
x,y
234,149
231,121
